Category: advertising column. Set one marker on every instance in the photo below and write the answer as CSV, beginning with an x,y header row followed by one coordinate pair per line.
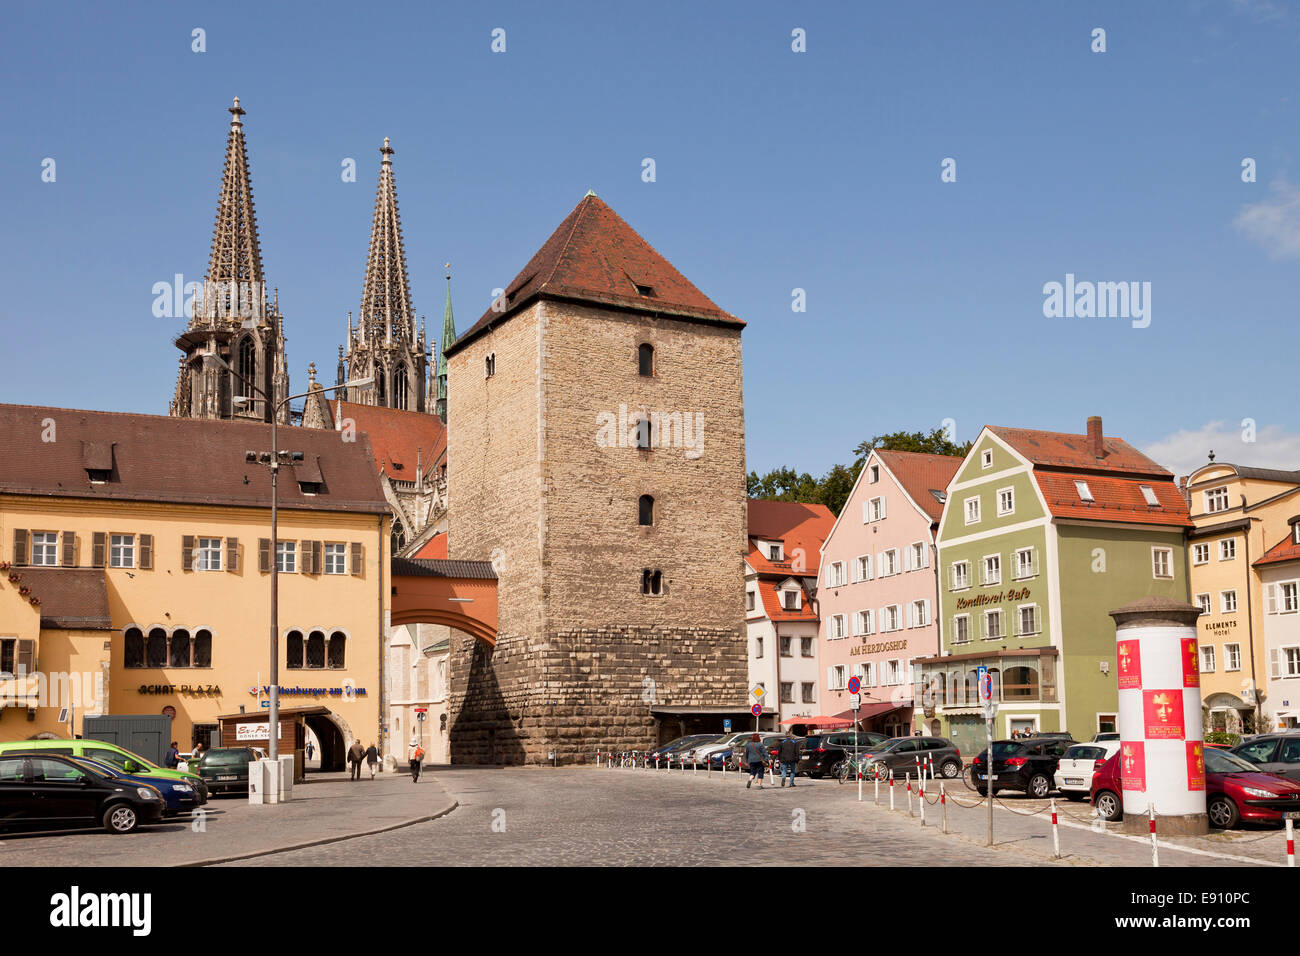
x,y
1162,744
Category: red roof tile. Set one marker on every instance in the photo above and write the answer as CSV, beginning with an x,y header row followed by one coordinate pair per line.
x,y
1115,498
400,439
921,474
1285,550
772,608
71,598
797,526
596,257
1064,450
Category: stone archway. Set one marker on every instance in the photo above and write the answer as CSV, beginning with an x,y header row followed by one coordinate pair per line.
x,y
334,735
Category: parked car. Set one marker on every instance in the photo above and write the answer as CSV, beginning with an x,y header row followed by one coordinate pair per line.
x,y
110,754
821,752
1027,764
1074,773
1273,753
225,769
44,789
901,755
704,751
674,747
1102,737
177,795
768,740
1235,791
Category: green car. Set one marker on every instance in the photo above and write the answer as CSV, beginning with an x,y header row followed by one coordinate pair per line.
x,y
110,754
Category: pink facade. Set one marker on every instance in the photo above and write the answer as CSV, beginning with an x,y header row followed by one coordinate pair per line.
x,y
877,591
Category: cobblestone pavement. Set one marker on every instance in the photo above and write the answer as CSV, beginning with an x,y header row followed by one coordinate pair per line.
x,y
330,807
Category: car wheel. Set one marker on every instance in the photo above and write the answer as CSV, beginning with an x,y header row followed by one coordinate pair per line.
x,y
879,771
1039,786
1075,795
1223,812
1108,804
950,769
121,818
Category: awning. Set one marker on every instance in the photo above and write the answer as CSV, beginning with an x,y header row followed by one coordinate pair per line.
x,y
869,711
821,721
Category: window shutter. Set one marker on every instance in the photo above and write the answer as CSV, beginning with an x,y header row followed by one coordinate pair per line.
x,y
264,555
911,614
99,544
304,558
187,552
27,655
1270,596
146,552
926,611
830,678
232,554
358,554
866,511
317,561
1274,662
20,546
69,549
907,559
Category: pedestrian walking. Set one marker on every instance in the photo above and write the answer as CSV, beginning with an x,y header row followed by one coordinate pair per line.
x,y
372,760
754,756
310,750
417,755
173,757
355,755
788,754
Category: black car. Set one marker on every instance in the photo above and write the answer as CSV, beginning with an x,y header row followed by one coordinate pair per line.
x,y
905,754
821,752
1028,764
39,790
225,770
1273,753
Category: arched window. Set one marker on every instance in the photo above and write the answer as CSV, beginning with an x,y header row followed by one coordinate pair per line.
x,y
133,649
643,432
156,650
203,648
293,651
646,511
939,686
338,650
315,650
645,359
246,369
399,387
398,537
179,655
381,391
1021,683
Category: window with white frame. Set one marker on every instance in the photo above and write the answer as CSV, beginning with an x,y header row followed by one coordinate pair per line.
x,y
1162,562
1295,533
888,562
864,623
286,556
790,599
992,570
918,613
1027,620
1216,499
45,548
959,575
863,565
1232,657
1227,549
961,629
986,458
1026,563
1203,602
837,626
893,673
973,510
891,617
207,556
1290,662
873,475
835,574
868,676
1201,553
335,558
776,552
1006,501
1228,601
917,556
835,677
1282,597
873,509
1207,659
749,600
121,551
808,692
992,625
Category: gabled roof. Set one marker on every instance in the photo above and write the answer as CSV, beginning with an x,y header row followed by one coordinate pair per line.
x,y
797,526
596,257
400,439
1065,450
1115,498
1285,550
772,608
922,475
435,548
1249,471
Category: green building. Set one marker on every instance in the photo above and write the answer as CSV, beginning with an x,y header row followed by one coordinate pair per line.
x,y
1042,534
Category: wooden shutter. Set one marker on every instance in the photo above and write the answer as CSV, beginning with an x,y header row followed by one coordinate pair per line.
x,y
99,545
305,557
232,554
20,546
358,556
146,552
317,565
69,541
27,655
264,555
1270,594
187,552
1274,662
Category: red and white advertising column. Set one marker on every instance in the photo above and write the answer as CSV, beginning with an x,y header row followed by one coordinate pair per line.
x,y
1162,742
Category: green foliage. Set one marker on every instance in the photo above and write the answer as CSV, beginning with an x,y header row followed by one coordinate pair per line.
x,y
1222,737
935,442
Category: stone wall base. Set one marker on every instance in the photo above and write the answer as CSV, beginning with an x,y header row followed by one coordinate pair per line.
x,y
1188,824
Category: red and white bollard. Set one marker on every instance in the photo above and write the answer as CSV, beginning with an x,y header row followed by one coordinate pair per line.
x,y
1056,833
909,793
1155,847
943,807
891,790
1290,842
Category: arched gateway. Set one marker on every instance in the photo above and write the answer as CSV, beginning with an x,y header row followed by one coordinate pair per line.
x,y
459,594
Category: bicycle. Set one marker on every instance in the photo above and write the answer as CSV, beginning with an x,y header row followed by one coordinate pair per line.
x,y
850,767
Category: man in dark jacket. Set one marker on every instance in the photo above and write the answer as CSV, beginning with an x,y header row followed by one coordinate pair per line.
x,y
356,753
788,754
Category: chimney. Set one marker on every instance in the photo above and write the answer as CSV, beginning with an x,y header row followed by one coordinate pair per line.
x,y
1094,436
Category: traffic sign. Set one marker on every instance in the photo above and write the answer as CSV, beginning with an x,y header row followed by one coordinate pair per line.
x,y
990,709
855,701
726,724
421,710
757,692
757,710
855,685
985,682
420,715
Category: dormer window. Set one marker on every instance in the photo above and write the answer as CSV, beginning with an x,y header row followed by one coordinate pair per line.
x,y
98,476
310,487
1295,532
646,290
790,600
775,552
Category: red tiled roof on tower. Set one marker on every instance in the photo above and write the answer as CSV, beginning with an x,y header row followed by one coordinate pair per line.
x,y
402,440
596,257
921,476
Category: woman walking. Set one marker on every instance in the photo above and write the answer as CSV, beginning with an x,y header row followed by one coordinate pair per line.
x,y
755,757
417,754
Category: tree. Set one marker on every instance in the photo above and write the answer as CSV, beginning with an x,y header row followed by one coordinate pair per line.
x,y
936,442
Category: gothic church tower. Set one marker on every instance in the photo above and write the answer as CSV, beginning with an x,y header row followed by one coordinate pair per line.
x,y
233,317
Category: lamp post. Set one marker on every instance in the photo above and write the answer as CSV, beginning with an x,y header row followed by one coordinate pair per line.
x,y
273,462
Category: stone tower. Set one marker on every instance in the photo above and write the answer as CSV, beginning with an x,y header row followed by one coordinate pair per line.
x,y
448,340
596,454
233,317
385,344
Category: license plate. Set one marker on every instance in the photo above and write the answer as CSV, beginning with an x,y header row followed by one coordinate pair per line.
x,y
227,777
986,777
1074,780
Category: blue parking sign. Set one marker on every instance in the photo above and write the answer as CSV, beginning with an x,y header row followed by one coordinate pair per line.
x,y
726,725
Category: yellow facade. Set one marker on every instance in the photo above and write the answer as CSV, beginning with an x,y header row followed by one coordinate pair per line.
x,y
1230,535
232,606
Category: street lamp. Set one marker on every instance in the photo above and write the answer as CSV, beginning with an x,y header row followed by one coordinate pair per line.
x,y
273,461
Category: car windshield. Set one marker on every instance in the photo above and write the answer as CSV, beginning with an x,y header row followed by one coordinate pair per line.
x,y
118,758
888,744
812,743
1220,761
215,758
1085,752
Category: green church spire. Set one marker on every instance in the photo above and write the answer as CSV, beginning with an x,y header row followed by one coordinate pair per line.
x,y
448,340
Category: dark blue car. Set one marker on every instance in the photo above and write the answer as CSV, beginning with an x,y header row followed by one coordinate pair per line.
x,y
178,796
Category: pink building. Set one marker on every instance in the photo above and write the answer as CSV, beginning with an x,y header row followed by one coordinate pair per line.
x,y
878,591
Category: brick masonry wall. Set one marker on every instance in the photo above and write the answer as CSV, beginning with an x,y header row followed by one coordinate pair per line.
x,y
583,655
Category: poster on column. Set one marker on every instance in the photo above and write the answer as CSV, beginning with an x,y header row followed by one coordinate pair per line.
x,y
1130,664
1191,664
1162,712
1195,765
1133,767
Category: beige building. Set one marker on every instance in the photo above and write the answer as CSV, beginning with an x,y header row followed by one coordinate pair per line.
x,y
1239,512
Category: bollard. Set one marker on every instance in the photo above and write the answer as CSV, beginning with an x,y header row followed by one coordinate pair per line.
x,y
859,783
1056,833
1155,847
1290,842
877,779
891,790
694,765
909,793
922,802
597,758
656,761
943,805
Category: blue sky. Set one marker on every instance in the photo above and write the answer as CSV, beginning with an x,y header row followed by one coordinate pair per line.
x,y
775,170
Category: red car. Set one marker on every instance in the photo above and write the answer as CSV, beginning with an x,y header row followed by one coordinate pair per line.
x,y
1234,791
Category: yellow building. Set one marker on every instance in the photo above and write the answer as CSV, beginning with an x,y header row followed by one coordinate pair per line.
x,y
138,575
1238,513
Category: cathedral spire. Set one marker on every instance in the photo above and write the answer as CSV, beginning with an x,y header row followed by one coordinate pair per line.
x,y
448,339
236,252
